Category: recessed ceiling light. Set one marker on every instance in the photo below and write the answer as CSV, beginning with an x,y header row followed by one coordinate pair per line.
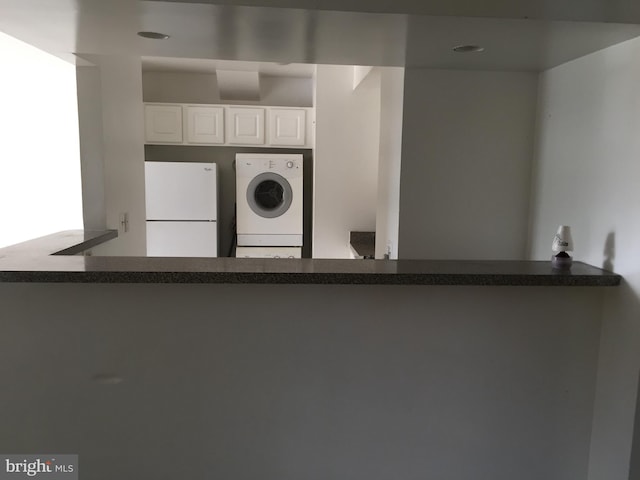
x,y
154,35
468,49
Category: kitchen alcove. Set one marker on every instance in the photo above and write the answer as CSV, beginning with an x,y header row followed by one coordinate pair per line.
x,y
165,83
341,181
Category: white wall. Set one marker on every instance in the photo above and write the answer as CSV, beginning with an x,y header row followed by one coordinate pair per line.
x,y
345,158
312,382
120,100
466,158
203,88
587,176
40,186
89,88
388,211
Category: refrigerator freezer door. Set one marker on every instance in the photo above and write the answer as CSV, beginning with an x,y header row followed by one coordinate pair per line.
x,y
181,191
182,239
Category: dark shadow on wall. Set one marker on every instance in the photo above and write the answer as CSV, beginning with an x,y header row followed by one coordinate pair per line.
x,y
617,404
609,252
634,467
618,389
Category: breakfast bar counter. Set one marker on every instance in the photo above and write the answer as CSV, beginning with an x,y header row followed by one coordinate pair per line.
x,y
384,360
57,258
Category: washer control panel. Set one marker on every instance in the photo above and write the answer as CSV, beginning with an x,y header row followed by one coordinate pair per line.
x,y
287,165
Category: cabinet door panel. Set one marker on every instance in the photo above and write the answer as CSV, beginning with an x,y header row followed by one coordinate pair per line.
x,y
205,125
287,126
245,126
163,123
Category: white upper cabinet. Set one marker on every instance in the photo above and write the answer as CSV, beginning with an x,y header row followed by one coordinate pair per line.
x,y
200,124
287,126
245,126
205,125
163,123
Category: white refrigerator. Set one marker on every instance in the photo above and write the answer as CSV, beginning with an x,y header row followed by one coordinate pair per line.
x,y
182,209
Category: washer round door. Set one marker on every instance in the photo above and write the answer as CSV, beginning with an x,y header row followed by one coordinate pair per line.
x,y
269,195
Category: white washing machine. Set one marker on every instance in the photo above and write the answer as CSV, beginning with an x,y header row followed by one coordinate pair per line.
x,y
269,200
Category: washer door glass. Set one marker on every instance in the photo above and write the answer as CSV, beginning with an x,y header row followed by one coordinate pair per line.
x,y
269,195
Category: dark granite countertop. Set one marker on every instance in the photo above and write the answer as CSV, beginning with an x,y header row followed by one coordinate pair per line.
x,y
69,242
52,259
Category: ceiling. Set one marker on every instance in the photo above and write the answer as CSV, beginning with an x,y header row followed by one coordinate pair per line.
x,y
203,32
203,65
608,11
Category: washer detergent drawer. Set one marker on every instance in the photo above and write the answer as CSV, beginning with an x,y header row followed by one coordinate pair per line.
x,y
269,252
270,240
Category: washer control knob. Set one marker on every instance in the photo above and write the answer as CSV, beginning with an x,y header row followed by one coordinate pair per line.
x,y
289,164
